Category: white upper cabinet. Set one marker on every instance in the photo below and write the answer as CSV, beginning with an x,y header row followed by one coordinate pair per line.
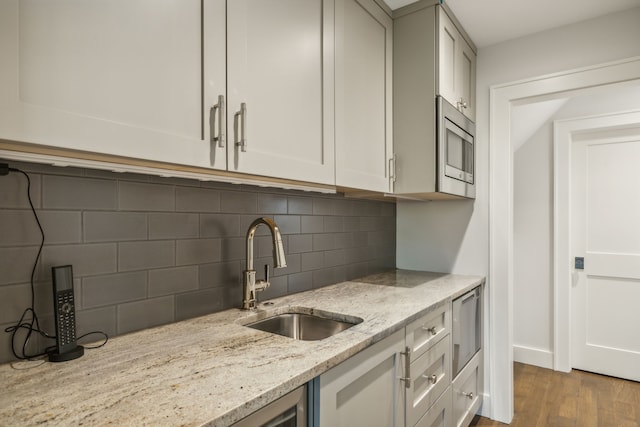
x,y
139,79
119,77
280,88
363,105
456,66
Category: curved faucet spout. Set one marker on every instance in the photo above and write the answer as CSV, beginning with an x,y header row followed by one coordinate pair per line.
x,y
279,259
251,286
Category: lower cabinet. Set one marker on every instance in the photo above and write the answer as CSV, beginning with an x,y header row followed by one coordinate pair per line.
x,y
403,380
440,414
365,390
466,389
430,377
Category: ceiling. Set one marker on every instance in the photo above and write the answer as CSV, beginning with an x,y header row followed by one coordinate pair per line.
x,y
493,21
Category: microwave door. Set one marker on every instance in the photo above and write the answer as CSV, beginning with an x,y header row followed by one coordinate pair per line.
x,y
468,159
455,153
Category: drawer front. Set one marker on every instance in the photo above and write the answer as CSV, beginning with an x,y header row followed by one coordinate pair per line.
x,y
440,414
428,330
466,391
430,377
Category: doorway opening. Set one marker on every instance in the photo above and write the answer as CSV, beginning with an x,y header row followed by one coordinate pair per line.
x,y
503,99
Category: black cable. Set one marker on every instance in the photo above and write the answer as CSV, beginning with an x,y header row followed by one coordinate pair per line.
x,y
106,339
32,325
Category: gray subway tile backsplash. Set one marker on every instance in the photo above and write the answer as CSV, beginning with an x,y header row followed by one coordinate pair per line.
x,y
173,225
157,311
113,289
146,255
114,226
148,251
140,196
64,192
194,199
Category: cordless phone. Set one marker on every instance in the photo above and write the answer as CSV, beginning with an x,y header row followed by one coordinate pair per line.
x,y
64,312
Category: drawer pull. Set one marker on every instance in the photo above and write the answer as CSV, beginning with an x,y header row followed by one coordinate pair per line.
x,y
469,395
432,330
431,378
407,367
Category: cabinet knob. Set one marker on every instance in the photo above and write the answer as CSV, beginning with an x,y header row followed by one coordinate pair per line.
x,y
431,378
432,330
462,104
469,395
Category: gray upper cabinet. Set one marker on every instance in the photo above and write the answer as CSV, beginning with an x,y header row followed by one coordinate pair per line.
x,y
456,66
432,56
136,82
114,77
363,107
280,89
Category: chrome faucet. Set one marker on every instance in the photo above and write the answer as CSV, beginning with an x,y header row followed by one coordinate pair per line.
x,y
250,285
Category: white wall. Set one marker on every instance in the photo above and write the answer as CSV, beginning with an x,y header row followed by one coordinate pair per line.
x,y
533,220
454,236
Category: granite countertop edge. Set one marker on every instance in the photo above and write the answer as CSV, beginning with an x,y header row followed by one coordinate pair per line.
x,y
212,370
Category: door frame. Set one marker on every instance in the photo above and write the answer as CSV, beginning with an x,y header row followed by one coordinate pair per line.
x,y
564,132
502,98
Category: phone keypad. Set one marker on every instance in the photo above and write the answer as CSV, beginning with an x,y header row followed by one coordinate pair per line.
x,y
66,318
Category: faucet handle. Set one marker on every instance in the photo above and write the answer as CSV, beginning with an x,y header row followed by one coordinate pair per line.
x,y
261,285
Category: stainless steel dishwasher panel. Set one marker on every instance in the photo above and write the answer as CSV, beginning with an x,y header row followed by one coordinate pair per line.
x,y
288,411
465,331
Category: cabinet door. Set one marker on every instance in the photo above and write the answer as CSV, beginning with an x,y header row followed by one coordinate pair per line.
x,y
280,69
363,95
448,40
467,79
119,77
365,390
456,67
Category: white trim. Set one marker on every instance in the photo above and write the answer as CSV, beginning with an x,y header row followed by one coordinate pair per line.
x,y
502,99
533,356
563,137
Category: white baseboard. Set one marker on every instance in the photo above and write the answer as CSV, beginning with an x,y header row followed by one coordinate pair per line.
x,y
485,408
533,356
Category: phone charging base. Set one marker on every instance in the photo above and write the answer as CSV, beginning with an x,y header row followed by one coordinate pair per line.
x,y
54,356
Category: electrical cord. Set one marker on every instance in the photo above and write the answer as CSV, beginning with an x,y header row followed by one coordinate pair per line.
x,y
29,319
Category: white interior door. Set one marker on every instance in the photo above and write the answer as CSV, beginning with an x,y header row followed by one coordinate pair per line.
x,y
605,206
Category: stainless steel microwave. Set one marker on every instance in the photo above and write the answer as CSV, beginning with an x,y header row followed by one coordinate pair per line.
x,y
455,135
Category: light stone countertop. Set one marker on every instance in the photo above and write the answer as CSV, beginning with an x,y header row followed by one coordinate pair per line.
x,y
211,370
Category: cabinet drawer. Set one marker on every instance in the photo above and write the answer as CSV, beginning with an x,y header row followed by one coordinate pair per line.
x,y
430,377
466,391
428,330
440,414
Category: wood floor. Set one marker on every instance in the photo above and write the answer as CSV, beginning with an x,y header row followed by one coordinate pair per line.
x,y
545,398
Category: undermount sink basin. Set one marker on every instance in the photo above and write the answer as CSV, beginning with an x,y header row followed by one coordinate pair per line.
x,y
305,326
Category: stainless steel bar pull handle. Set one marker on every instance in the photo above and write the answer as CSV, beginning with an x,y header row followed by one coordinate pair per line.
x,y
240,124
407,367
217,111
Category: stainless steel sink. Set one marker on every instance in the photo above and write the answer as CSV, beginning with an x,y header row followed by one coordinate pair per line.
x,y
305,326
